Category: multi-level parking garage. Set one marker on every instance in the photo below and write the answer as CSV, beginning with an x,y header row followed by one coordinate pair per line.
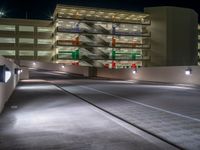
x,y
72,107
104,38
22,39
101,37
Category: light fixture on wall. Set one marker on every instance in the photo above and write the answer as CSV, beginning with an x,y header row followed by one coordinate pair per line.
x,y
188,71
134,71
34,63
5,74
63,66
18,71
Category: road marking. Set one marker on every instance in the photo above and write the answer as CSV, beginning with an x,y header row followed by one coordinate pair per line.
x,y
149,106
145,134
149,137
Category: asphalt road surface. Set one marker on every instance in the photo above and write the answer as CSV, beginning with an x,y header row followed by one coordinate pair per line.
x,y
62,111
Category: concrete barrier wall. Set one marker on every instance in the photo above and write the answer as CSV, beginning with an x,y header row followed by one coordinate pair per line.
x,y
123,74
174,74
56,67
24,74
6,89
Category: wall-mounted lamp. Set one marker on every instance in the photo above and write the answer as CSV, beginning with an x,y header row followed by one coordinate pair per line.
x,y
18,70
63,66
188,71
34,63
5,74
134,71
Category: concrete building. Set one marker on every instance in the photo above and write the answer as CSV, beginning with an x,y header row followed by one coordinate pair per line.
x,y
159,36
26,39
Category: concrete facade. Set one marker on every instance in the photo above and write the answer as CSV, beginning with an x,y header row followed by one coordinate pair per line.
x,y
159,36
172,74
173,36
26,39
79,70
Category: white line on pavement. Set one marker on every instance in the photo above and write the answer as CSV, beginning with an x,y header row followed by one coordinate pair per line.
x,y
132,101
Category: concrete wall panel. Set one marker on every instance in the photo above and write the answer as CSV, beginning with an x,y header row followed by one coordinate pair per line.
x,y
56,67
6,89
174,74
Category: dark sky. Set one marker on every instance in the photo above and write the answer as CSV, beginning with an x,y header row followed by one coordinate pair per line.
x,y
42,9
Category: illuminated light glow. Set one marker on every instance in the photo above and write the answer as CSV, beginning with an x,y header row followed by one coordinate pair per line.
x,y
82,11
7,75
63,66
2,13
71,14
187,72
19,71
92,12
57,24
57,37
135,30
34,63
36,87
134,71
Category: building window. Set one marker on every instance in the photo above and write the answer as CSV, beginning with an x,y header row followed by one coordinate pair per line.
x,y
44,41
26,40
26,28
7,40
7,52
44,53
7,27
44,29
26,53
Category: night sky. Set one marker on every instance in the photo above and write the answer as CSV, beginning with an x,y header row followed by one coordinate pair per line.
x,y
42,9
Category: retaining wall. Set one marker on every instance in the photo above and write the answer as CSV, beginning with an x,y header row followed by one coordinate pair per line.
x,y
6,89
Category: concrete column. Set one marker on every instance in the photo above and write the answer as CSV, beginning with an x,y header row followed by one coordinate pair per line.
x,y
35,43
17,43
173,36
